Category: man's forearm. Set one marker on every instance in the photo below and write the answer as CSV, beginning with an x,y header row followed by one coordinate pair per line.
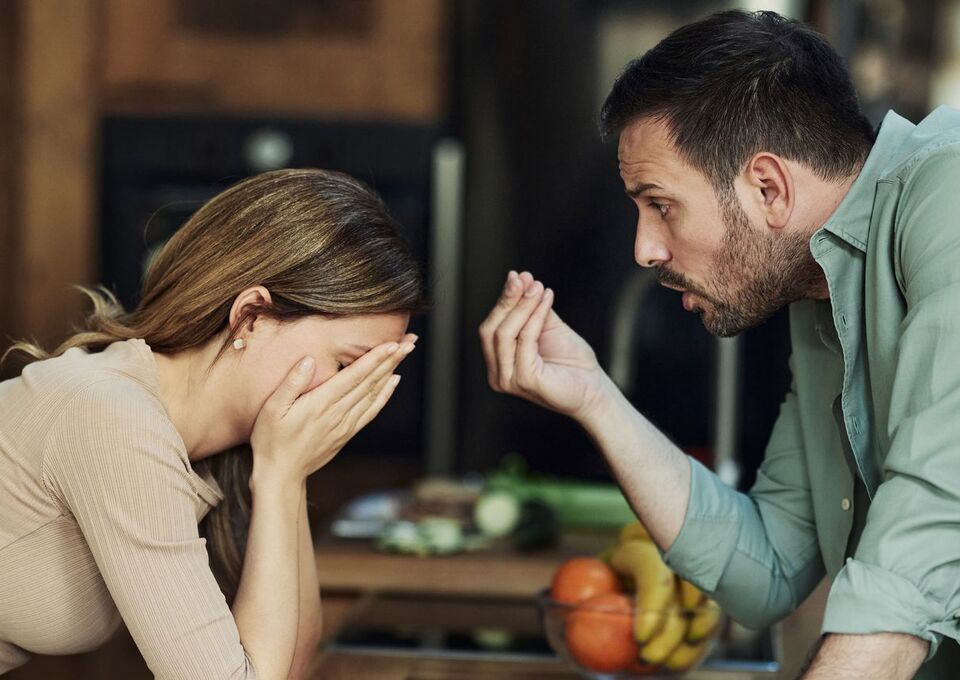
x,y
879,656
653,473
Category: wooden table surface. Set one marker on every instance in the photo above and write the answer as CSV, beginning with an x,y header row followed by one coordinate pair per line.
x,y
491,588
340,666
356,565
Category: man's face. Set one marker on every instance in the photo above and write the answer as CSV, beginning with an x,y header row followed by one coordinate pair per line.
x,y
731,267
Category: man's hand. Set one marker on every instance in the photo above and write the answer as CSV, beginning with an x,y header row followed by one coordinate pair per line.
x,y
878,656
530,352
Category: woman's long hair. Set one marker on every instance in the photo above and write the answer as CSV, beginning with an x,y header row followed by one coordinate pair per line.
x,y
321,242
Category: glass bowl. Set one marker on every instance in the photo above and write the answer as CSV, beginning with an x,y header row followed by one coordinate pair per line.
x,y
594,639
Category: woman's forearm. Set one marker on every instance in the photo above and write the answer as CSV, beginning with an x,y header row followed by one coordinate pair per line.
x,y
267,606
309,628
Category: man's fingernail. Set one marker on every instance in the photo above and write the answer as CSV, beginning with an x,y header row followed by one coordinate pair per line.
x,y
408,347
305,365
533,290
392,347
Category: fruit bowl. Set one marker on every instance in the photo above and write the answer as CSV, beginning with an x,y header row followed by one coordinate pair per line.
x,y
598,638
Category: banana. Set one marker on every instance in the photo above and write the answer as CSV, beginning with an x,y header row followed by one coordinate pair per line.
x,y
633,531
690,595
655,584
685,656
705,620
659,647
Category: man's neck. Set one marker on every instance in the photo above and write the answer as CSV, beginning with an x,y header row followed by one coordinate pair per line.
x,y
829,196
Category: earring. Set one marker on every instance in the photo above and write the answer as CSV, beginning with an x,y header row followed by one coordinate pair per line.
x,y
239,343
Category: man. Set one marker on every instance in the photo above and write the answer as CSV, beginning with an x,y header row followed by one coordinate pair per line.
x,y
760,184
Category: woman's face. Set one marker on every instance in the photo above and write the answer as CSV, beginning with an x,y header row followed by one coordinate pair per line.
x,y
273,348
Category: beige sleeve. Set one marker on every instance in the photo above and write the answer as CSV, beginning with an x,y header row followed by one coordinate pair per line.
x,y
114,460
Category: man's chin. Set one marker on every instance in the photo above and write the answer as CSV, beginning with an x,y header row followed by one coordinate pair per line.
x,y
721,325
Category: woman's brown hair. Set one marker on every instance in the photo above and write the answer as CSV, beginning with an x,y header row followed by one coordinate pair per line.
x,y
321,242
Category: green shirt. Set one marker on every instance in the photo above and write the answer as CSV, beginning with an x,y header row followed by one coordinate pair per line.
x,y
861,479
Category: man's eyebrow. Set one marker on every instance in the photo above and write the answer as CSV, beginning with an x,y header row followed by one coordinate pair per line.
x,y
635,191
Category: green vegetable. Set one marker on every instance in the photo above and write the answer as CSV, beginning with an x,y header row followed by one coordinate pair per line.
x,y
576,503
538,526
496,513
429,536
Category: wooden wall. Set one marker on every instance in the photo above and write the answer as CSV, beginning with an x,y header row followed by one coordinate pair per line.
x,y
343,58
55,163
7,153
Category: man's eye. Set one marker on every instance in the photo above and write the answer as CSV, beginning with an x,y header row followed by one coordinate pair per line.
x,y
662,208
340,366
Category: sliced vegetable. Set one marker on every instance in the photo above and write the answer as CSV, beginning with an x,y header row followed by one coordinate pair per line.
x,y
497,513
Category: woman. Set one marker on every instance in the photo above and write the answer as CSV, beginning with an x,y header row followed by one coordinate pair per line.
x,y
268,332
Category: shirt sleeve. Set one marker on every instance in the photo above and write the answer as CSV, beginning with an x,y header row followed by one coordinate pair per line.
x,y
117,464
905,574
756,554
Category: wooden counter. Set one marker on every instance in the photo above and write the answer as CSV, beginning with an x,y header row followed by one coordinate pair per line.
x,y
363,588
356,566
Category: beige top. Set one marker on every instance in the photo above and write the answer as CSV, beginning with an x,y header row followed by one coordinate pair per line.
x,y
98,520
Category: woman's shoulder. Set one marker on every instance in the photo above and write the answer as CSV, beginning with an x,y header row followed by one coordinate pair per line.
x,y
114,390
111,410
122,363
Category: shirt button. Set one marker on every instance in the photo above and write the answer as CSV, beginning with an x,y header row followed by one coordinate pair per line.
x,y
845,504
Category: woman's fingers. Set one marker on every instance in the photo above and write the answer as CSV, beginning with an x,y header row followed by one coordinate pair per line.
x,y
506,335
294,384
529,342
358,381
386,390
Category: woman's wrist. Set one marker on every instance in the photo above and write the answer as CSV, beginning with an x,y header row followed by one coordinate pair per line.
x,y
273,480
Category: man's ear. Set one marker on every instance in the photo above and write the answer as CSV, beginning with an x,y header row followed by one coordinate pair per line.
x,y
246,305
769,179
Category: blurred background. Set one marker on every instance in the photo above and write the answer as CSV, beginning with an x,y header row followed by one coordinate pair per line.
x,y
477,122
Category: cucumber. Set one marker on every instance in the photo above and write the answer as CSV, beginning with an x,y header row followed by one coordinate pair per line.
x,y
538,526
576,503
496,513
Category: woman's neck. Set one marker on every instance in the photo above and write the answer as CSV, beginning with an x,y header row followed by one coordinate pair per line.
x,y
197,400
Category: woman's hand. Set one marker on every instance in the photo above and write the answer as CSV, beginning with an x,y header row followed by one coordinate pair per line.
x,y
298,432
530,352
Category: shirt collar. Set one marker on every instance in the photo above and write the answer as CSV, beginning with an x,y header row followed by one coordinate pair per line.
x,y
851,220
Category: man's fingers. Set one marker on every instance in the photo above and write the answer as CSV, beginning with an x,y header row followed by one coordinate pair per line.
x,y
294,384
528,344
505,337
512,292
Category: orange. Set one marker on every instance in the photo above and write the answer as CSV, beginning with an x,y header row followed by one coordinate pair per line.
x,y
599,633
581,578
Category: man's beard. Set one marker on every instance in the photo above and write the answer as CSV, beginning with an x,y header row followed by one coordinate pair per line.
x,y
753,275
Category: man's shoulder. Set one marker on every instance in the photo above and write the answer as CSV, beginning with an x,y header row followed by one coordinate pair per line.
x,y
932,148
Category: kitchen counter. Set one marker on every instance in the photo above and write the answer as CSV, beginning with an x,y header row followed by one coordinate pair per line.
x,y
397,617
340,666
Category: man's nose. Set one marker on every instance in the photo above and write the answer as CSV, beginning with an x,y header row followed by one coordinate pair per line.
x,y
649,249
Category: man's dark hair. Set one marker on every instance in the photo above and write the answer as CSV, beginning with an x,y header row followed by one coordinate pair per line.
x,y
741,82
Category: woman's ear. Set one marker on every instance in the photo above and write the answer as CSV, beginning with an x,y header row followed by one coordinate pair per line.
x,y
769,177
246,304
